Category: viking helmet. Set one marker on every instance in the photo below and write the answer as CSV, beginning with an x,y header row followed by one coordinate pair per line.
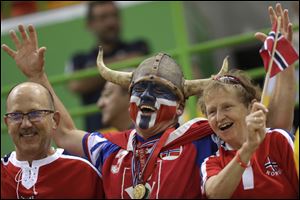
x,y
159,68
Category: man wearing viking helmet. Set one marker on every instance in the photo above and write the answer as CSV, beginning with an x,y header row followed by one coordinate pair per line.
x,y
158,158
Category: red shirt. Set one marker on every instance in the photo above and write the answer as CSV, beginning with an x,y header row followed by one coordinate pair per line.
x,y
56,176
272,173
177,170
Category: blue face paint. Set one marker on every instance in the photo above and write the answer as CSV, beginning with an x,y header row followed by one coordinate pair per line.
x,y
151,103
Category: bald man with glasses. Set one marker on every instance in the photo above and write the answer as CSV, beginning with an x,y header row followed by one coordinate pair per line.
x,y
35,169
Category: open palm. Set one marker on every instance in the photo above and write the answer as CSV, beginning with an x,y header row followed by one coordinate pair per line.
x,y
286,27
29,58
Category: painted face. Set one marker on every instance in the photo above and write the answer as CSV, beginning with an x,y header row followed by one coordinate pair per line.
x,y
226,114
151,104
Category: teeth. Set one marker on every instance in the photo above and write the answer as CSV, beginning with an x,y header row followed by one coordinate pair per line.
x,y
147,107
28,135
225,125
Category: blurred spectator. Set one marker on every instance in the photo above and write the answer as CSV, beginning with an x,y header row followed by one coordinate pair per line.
x,y
59,4
103,21
23,7
114,104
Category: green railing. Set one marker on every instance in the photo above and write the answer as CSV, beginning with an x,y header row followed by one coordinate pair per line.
x,y
182,53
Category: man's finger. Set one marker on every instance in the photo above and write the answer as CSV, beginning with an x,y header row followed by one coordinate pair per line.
x,y
33,35
15,38
260,36
279,13
285,20
272,15
42,51
9,51
23,32
290,32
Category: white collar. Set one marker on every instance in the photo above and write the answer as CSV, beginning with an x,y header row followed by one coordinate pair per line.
x,y
35,163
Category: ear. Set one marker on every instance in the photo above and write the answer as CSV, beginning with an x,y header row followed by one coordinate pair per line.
x,y
5,120
180,109
6,123
56,120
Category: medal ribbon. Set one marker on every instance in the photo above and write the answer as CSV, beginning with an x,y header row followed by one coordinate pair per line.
x,y
151,161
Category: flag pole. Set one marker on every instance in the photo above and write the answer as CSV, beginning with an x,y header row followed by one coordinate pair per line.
x,y
263,96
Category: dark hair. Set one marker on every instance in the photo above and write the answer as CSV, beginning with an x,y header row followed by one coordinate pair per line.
x,y
50,96
236,79
92,4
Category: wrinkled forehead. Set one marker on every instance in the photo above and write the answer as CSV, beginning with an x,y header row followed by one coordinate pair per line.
x,y
26,99
221,93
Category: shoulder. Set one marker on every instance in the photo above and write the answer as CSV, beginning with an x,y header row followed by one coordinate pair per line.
x,y
107,137
84,58
197,124
137,46
98,140
280,135
138,43
76,161
79,57
97,147
5,159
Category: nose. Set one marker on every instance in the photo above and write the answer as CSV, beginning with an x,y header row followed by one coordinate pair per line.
x,y
26,122
100,103
220,116
147,95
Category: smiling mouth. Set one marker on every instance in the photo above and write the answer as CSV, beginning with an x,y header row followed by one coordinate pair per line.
x,y
28,135
225,126
146,109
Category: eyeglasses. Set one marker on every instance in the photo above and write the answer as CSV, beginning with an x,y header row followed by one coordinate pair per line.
x,y
33,116
229,80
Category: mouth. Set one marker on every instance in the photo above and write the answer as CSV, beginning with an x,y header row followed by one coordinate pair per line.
x,y
146,109
225,126
28,134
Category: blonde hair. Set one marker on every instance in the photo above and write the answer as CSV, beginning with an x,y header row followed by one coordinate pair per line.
x,y
236,79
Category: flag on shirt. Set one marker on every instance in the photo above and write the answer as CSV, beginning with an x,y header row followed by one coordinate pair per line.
x,y
284,56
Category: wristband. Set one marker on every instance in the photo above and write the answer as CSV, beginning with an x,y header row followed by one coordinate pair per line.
x,y
241,163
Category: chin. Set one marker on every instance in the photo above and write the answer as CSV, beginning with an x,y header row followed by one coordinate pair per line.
x,y
30,149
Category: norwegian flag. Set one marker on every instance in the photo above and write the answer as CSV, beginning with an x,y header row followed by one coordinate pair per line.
x,y
273,166
285,55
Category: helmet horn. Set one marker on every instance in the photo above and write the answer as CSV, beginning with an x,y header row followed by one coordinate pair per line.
x,y
121,78
224,68
194,87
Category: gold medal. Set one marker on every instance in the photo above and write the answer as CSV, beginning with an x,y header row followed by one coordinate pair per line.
x,y
139,191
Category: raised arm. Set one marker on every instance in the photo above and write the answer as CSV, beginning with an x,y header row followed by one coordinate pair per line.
x,y
223,185
30,60
282,101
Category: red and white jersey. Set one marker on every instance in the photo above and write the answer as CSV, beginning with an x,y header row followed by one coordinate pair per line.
x,y
56,176
177,170
271,174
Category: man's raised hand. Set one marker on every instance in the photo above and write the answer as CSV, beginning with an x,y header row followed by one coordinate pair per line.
x,y
28,56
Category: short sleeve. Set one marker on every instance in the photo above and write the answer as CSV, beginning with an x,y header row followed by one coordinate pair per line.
x,y
210,167
97,149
